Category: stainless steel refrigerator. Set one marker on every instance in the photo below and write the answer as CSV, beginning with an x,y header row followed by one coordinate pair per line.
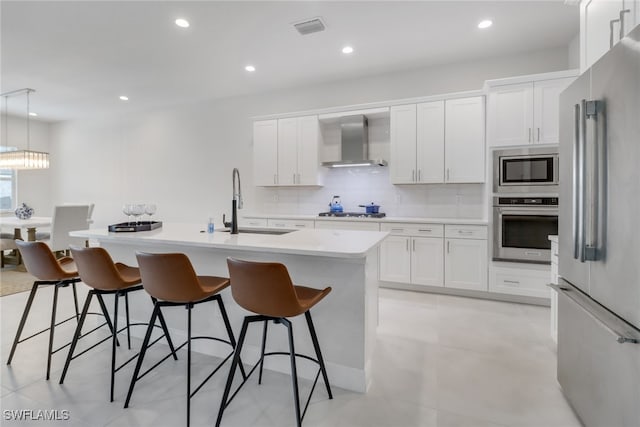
x,y
599,240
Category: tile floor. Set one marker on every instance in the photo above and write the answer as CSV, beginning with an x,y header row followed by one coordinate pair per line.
x,y
440,361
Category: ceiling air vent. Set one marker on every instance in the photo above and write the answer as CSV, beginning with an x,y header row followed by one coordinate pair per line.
x,y
309,26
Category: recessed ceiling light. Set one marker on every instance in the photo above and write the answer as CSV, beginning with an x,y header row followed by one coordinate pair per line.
x,y
485,23
124,98
182,23
250,68
347,49
32,114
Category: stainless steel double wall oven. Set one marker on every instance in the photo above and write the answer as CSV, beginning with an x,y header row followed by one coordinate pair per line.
x,y
525,203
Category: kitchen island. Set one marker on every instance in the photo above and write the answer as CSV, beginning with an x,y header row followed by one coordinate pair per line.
x,y
343,259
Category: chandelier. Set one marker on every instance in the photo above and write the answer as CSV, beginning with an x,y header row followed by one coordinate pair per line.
x,y
20,159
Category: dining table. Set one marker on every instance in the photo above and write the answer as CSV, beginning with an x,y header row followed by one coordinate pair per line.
x,y
30,224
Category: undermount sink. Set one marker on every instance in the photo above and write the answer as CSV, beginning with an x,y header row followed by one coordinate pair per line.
x,y
258,231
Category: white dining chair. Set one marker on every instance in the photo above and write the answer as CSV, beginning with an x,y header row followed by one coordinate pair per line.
x,y
67,218
46,235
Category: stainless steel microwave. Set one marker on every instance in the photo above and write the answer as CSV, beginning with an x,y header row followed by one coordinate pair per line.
x,y
526,170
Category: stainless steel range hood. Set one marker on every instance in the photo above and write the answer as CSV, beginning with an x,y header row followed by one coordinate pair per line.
x,y
355,144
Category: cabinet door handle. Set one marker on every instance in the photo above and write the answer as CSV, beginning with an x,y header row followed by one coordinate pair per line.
x,y
538,134
275,179
407,244
414,245
529,137
419,175
447,174
622,12
613,21
448,246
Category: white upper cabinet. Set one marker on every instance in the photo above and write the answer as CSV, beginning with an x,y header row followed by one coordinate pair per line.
x,y
525,113
286,151
430,142
402,160
602,24
430,137
464,140
546,109
265,152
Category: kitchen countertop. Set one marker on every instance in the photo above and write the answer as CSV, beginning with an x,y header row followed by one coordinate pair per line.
x,y
316,242
422,220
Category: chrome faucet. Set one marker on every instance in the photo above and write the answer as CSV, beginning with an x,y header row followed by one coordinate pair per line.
x,y
236,203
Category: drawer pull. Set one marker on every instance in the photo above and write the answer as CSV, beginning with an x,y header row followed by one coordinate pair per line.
x,y
300,225
511,282
399,230
425,230
465,232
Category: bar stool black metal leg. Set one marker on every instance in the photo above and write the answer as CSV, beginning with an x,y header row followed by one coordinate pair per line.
x,y
52,328
23,321
316,346
165,330
264,344
116,297
227,325
76,336
232,371
105,312
294,371
75,300
189,307
126,309
143,350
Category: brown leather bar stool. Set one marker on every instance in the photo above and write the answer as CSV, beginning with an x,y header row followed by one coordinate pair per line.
x,y
41,263
266,289
171,280
98,271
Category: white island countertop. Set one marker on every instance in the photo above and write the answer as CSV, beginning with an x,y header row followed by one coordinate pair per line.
x,y
316,242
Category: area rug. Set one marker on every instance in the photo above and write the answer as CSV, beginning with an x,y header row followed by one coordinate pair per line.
x,y
12,282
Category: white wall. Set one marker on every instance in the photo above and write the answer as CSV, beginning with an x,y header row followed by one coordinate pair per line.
x,y
181,158
574,52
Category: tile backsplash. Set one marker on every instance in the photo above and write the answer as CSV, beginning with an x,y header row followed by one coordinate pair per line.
x,y
357,186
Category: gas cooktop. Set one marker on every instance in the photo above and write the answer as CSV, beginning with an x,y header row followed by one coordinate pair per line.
x,y
353,214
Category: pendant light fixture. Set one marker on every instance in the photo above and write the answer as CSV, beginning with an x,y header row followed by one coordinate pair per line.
x,y
20,159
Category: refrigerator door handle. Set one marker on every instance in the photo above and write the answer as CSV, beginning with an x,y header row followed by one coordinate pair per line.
x,y
590,241
582,171
576,207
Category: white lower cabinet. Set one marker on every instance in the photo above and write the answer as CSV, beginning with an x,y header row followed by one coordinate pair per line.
x,y
520,280
465,265
290,223
427,261
465,258
413,253
253,222
348,225
395,259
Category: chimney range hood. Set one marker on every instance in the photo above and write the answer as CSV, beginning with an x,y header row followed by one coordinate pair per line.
x,y
355,144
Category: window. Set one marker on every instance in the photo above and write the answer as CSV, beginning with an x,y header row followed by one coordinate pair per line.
x,y
7,188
